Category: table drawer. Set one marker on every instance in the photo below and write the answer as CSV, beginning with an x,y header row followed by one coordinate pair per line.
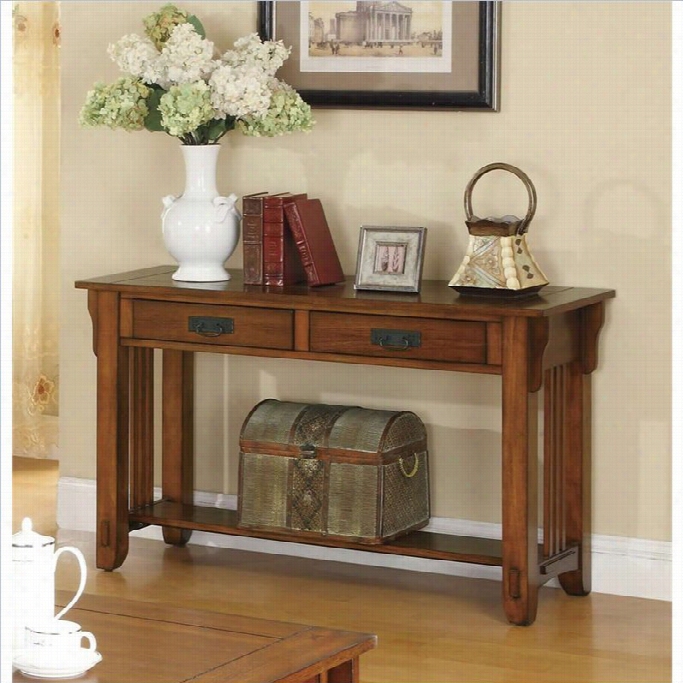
x,y
268,328
456,341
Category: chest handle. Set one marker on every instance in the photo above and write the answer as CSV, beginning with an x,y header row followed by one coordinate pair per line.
x,y
413,472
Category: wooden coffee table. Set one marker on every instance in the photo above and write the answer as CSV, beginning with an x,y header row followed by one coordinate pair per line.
x,y
155,643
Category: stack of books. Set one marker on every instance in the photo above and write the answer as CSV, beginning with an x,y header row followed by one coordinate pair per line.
x,y
287,241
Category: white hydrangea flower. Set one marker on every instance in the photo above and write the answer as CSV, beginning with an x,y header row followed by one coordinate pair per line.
x,y
287,113
240,91
196,96
186,57
136,56
267,56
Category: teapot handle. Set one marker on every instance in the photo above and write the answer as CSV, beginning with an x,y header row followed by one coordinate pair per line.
x,y
524,225
84,576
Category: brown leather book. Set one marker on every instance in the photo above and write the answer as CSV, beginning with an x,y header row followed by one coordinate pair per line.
x,y
314,241
281,261
252,237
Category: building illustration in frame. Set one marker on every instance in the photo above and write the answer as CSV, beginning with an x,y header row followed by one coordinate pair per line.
x,y
376,36
375,22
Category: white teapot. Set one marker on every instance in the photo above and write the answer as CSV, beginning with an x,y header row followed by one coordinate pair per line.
x,y
34,561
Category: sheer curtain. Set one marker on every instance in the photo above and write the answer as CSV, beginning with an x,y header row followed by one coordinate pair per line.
x,y
36,229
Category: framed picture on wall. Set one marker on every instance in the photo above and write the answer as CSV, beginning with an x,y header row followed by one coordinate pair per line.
x,y
390,258
394,55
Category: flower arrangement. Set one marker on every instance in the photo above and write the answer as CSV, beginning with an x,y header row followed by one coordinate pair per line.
x,y
175,82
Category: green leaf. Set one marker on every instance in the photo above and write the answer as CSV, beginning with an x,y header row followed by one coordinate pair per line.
x,y
217,129
153,118
153,122
197,25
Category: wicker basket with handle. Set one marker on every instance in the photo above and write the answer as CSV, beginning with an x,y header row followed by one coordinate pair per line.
x,y
498,260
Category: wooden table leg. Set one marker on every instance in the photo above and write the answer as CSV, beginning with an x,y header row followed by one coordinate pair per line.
x,y
112,431
577,479
519,476
578,464
177,478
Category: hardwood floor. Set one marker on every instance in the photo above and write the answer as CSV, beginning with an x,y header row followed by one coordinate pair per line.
x,y
431,628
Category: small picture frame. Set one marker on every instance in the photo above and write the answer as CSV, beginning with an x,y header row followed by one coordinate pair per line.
x,y
390,258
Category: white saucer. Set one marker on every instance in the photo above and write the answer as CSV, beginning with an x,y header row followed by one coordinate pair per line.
x,y
44,664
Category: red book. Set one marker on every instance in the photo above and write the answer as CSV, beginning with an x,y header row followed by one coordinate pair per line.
x,y
314,241
252,237
281,262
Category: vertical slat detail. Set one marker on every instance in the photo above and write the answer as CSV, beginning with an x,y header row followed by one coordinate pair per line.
x,y
557,455
555,446
548,479
142,427
561,455
178,435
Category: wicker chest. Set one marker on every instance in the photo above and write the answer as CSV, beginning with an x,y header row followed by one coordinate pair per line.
x,y
342,472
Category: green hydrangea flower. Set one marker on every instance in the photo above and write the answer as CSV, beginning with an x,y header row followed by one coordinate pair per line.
x,y
121,104
173,83
287,113
159,25
184,108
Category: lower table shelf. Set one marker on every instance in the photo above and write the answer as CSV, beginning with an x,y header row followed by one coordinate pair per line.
x,y
426,544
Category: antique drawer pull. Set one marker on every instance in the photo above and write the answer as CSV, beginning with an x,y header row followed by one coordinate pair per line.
x,y
210,327
395,340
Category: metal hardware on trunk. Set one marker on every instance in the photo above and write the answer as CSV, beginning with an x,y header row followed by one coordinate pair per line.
x,y
413,472
396,340
210,327
307,451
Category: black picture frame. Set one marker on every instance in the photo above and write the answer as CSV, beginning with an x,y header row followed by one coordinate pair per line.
x,y
484,97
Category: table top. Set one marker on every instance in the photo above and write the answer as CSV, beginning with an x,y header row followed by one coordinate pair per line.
x,y
158,643
434,297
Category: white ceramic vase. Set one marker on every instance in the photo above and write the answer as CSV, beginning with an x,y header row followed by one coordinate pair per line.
x,y
201,229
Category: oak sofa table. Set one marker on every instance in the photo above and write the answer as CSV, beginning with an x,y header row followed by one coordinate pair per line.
x,y
545,345
157,643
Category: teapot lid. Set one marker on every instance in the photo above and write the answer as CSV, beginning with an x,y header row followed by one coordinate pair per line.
x,y
27,538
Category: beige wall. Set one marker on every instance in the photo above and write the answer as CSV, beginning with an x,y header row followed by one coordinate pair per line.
x,y
586,112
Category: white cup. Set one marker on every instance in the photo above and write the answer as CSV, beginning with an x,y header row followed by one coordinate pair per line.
x,y
59,633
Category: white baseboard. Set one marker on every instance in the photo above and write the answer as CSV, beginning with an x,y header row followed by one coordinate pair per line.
x,y
621,566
